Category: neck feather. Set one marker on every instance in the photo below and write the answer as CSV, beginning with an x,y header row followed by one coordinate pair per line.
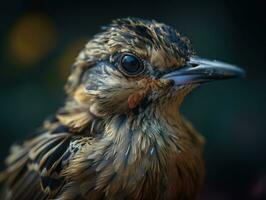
x,y
155,149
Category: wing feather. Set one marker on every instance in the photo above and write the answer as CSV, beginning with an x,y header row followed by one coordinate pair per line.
x,y
34,167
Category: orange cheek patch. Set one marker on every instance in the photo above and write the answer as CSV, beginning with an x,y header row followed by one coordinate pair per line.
x,y
135,98
147,85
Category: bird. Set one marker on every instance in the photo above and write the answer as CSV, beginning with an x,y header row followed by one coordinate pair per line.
x,y
120,133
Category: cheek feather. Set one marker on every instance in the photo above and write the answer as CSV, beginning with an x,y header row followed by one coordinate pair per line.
x,y
81,95
147,85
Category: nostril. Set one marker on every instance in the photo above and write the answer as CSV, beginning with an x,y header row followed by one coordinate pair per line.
x,y
171,83
194,64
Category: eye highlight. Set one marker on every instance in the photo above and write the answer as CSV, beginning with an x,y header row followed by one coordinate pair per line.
x,y
130,65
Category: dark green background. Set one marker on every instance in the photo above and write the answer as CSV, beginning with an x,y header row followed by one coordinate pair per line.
x,y
230,114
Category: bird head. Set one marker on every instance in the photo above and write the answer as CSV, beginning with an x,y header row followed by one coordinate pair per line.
x,y
134,64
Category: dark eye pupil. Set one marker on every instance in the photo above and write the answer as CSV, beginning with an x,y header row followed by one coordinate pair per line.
x,y
131,64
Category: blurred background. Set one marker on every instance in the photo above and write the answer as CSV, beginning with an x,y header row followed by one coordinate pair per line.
x,y
40,39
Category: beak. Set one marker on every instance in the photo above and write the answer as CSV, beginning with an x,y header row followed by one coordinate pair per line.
x,y
200,70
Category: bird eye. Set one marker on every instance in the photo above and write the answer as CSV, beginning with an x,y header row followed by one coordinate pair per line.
x,y
131,65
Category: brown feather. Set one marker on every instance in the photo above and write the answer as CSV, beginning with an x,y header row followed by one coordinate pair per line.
x,y
106,142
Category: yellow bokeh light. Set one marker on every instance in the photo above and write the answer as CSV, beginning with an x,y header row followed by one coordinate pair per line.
x,y
31,38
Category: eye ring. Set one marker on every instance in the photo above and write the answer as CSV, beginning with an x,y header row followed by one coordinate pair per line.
x,y
130,65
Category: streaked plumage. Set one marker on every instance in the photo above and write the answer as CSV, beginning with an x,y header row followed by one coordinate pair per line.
x,y
117,136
